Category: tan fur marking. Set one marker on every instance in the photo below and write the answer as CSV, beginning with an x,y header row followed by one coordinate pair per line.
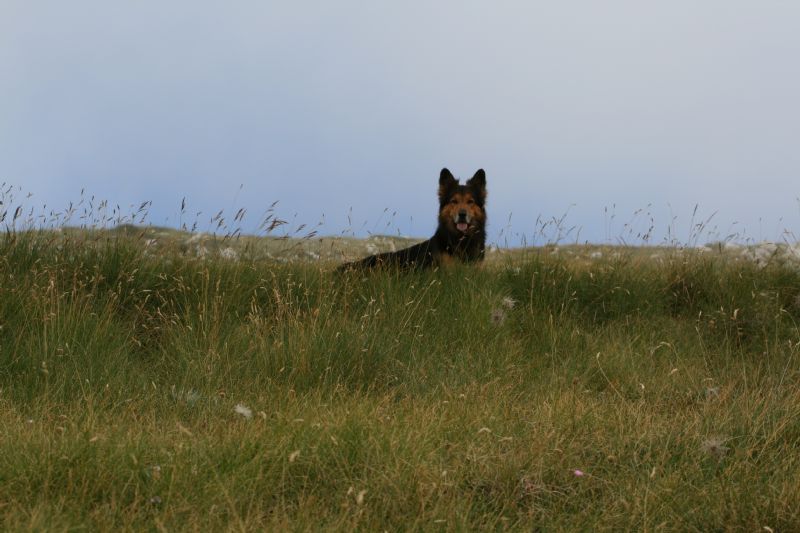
x,y
445,261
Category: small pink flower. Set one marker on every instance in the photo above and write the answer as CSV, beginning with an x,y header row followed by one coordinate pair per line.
x,y
578,473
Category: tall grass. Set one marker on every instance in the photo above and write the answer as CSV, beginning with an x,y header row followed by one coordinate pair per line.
x,y
540,391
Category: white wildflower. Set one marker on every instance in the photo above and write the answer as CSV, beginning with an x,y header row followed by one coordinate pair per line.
x,y
509,302
243,410
229,253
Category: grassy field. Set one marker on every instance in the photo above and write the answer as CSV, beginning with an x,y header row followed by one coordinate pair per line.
x,y
159,381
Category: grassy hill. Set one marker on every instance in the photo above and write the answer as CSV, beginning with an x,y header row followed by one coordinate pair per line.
x,y
153,379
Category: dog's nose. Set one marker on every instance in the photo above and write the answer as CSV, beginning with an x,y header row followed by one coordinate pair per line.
x,y
462,213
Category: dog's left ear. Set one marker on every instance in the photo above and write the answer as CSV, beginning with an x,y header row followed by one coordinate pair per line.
x,y
478,184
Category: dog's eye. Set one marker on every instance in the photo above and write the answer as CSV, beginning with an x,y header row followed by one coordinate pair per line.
x,y
470,201
453,201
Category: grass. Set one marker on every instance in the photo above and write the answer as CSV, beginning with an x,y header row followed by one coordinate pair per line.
x,y
542,391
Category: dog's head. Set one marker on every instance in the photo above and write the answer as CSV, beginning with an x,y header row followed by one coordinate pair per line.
x,y
461,207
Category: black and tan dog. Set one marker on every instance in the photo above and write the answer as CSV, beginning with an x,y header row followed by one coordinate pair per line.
x,y
460,236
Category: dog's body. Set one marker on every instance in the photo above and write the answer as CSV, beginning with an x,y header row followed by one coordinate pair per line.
x,y
460,235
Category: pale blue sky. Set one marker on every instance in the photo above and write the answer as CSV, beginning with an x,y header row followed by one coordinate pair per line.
x,y
328,106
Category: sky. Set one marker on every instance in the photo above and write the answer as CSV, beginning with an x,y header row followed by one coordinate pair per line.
x,y
603,115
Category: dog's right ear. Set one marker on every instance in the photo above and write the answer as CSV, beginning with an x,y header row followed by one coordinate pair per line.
x,y
446,182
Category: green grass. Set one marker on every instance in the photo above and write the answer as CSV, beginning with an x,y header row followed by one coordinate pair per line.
x,y
419,401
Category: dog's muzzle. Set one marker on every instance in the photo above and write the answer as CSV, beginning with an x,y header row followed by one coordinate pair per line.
x,y
462,220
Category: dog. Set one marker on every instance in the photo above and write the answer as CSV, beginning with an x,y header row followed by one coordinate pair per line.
x,y
460,235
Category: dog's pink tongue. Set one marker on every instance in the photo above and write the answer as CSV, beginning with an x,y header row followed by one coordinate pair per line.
x,y
462,226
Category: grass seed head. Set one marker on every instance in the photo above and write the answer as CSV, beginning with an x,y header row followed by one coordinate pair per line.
x,y
498,316
712,393
715,447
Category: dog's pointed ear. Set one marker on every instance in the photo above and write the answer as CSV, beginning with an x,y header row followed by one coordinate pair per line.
x,y
478,184
446,182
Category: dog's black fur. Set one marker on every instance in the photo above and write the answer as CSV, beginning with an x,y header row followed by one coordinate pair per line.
x,y
460,235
